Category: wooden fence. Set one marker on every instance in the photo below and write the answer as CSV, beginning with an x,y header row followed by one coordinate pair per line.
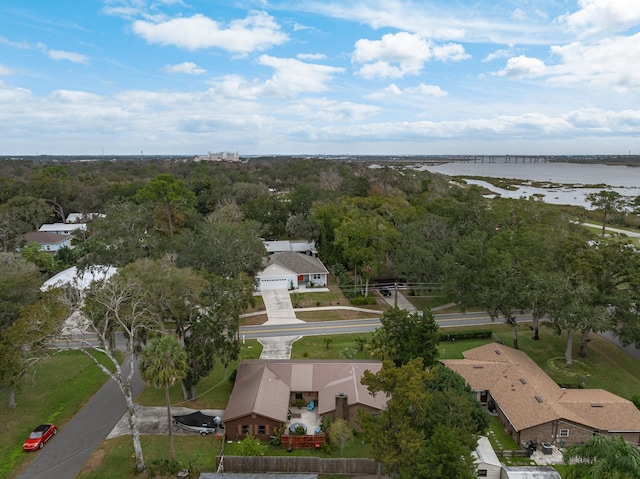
x,y
296,464
294,441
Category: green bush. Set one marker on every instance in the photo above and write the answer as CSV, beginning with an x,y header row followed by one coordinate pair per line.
x,y
471,334
362,300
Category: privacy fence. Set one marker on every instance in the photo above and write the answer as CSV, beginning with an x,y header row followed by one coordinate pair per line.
x,y
301,465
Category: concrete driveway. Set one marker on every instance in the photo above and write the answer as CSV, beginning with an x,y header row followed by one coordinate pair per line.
x,y
279,311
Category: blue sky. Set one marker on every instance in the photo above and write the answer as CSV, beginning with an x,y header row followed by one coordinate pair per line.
x,y
319,77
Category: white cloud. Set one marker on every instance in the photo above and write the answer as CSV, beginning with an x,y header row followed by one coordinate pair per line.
x,y
428,90
70,56
291,78
408,51
519,14
258,31
450,52
189,68
396,55
501,53
389,91
311,56
523,67
393,90
609,63
603,16
6,71
323,109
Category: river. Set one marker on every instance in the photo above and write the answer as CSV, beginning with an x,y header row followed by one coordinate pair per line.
x,y
566,181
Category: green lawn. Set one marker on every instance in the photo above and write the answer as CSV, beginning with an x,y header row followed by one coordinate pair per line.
x,y
113,459
213,391
59,387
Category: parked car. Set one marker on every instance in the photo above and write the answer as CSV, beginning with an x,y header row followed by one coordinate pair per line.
x,y
39,436
385,292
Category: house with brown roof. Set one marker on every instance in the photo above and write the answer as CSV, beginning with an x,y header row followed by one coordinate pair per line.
x,y
48,241
533,407
265,391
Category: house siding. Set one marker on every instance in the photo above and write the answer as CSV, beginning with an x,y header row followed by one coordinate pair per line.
x,y
234,428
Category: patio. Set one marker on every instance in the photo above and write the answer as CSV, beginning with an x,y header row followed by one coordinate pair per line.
x,y
302,415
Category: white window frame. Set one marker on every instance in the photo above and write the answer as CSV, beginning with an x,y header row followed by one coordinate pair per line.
x,y
563,433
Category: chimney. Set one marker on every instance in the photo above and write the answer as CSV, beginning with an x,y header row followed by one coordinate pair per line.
x,y
342,406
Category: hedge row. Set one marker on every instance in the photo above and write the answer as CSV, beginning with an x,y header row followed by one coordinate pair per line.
x,y
471,334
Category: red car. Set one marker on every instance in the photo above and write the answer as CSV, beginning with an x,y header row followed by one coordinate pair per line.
x,y
39,436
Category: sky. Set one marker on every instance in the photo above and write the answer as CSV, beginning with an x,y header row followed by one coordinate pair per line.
x,y
320,77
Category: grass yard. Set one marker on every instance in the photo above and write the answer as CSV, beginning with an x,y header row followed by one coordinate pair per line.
x,y
213,391
336,315
113,459
59,387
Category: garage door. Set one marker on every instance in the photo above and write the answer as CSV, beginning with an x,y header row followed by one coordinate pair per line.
x,y
277,283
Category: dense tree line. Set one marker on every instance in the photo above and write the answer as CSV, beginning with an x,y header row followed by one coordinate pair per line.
x,y
186,238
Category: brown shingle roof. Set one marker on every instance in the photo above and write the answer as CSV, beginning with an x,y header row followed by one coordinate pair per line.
x,y
43,237
263,386
529,397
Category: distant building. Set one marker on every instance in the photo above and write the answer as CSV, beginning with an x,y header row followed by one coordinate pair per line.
x,y
219,156
48,241
63,228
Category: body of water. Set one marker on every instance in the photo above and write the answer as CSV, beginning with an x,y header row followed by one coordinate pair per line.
x,y
566,180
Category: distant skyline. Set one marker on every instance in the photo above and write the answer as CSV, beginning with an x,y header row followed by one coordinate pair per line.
x,y
361,77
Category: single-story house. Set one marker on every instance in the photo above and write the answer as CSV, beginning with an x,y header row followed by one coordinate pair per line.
x,y
264,390
47,241
291,270
533,407
296,246
487,461
63,228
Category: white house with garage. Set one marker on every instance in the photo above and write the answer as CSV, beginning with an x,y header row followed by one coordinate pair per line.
x,y
292,270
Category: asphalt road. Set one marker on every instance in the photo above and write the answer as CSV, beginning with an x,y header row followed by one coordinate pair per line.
x,y
356,326
64,455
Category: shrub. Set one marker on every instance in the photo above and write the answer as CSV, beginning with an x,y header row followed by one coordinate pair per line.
x,y
471,334
362,300
251,446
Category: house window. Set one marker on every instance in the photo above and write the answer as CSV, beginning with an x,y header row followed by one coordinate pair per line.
x,y
245,430
299,396
262,430
316,276
482,473
564,433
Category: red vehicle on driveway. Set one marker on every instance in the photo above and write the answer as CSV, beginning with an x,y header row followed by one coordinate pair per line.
x,y
39,436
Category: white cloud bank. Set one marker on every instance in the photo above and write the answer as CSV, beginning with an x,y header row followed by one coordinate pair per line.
x,y
256,32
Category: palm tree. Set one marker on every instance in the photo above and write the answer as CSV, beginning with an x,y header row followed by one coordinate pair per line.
x,y
603,457
163,362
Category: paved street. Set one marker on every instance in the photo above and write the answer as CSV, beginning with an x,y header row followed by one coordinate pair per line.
x,y
64,456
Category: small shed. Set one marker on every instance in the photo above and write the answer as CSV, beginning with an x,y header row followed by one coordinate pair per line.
x,y
486,459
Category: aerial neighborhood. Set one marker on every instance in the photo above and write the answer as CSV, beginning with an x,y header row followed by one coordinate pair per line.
x,y
311,316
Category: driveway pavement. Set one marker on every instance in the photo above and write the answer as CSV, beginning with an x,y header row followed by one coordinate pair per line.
x,y
397,298
279,311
